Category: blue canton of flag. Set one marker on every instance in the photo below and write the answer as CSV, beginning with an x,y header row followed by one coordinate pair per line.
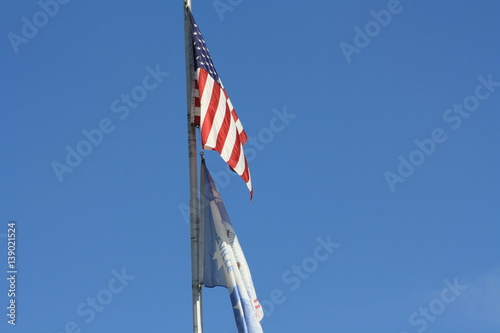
x,y
224,262
201,55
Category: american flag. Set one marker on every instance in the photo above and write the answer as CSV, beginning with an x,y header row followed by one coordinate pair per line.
x,y
220,127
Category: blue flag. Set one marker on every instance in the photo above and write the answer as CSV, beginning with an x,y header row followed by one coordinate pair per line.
x,y
224,262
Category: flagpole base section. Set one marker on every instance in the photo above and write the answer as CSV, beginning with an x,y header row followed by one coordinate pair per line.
x,y
197,314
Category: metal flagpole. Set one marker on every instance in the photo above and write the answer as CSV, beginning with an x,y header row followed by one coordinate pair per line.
x,y
194,213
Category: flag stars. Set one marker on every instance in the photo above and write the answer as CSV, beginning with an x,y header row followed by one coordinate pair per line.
x,y
218,256
202,54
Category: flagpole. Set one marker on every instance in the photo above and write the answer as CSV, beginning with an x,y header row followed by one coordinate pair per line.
x,y
194,214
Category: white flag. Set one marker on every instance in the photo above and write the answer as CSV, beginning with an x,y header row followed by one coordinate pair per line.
x,y
224,262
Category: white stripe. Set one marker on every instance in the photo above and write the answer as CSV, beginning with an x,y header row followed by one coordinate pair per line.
x,y
229,143
231,108
239,126
205,98
218,120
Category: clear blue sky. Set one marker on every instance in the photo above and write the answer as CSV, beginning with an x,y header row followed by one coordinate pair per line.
x,y
374,131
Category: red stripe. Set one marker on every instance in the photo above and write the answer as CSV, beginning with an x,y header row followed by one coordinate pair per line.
x,y
202,80
243,137
199,84
235,154
195,113
246,174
